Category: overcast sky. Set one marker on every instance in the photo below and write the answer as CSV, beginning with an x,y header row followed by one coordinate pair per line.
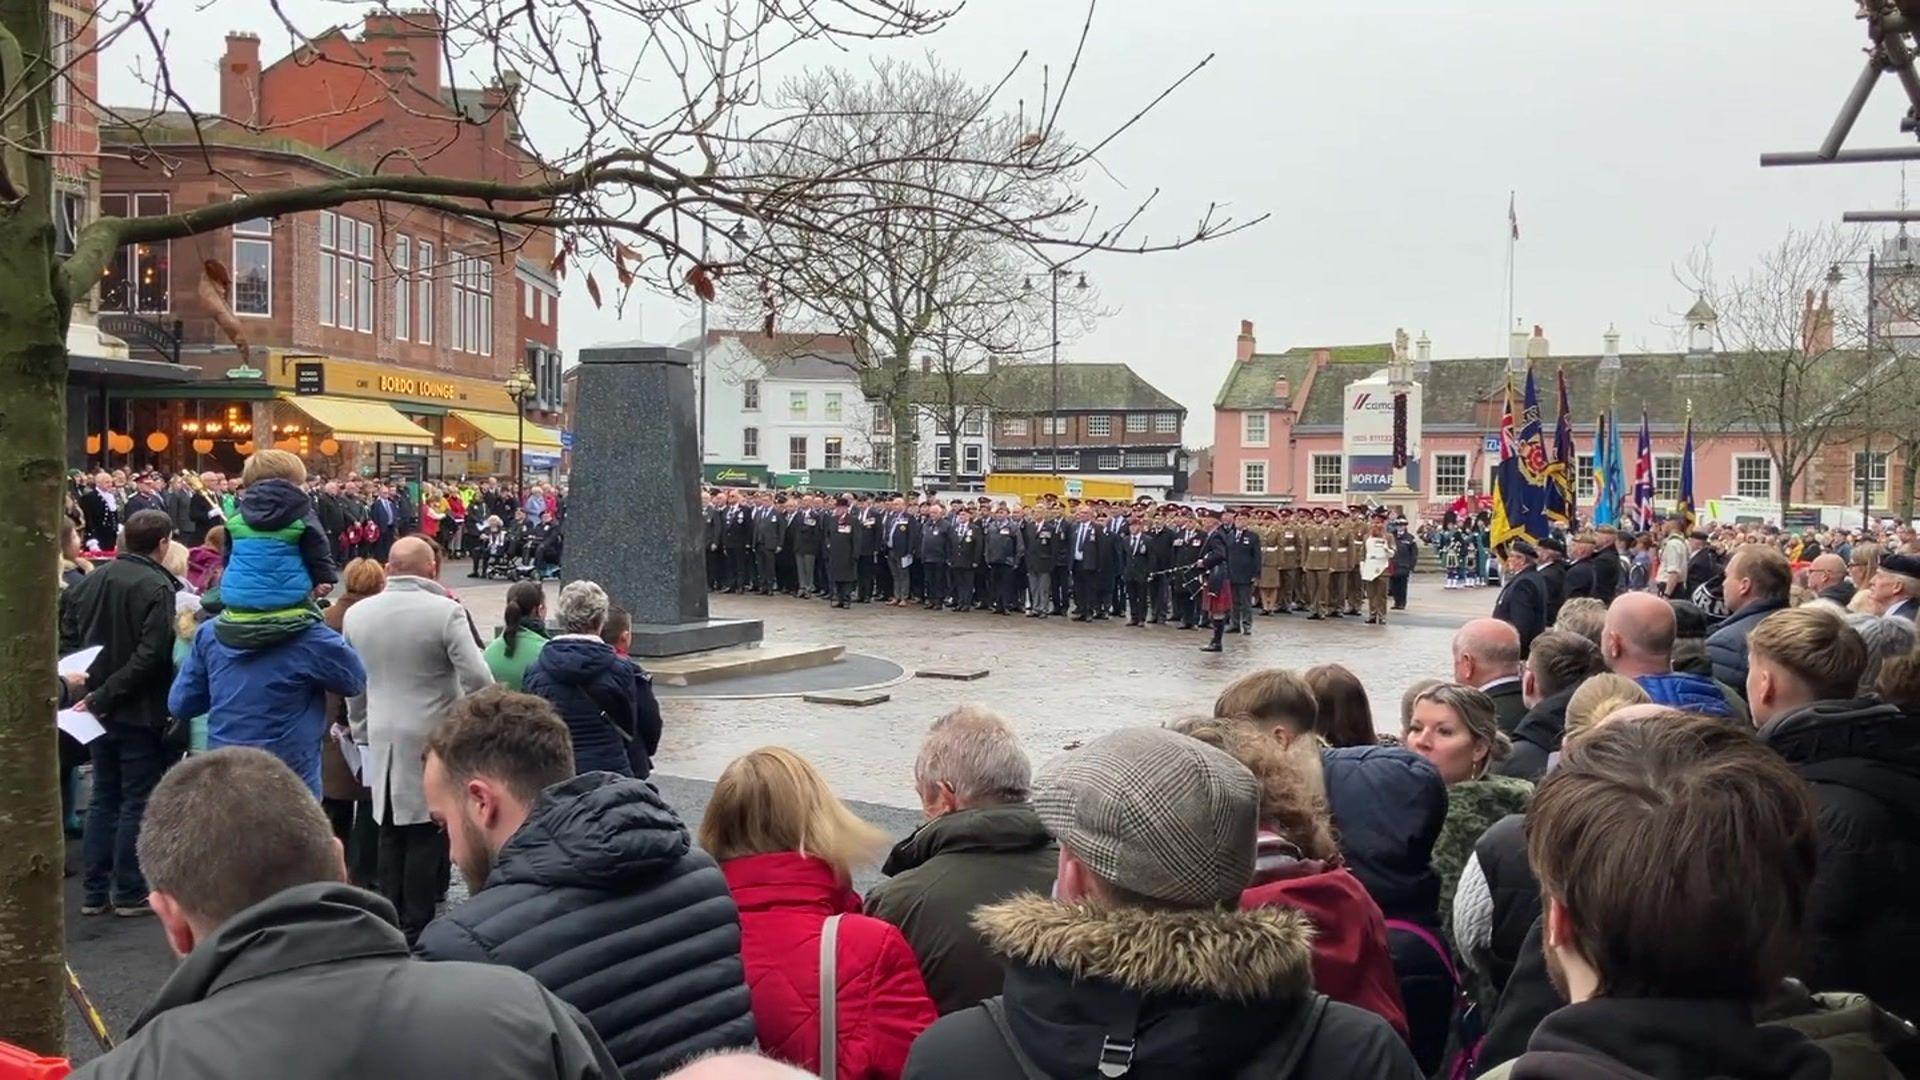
x,y
1383,143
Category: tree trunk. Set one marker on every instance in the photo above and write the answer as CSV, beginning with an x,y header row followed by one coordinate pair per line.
x,y
1903,495
906,445
1787,480
33,372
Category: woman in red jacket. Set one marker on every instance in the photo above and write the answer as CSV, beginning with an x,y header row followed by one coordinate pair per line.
x,y
1297,864
787,846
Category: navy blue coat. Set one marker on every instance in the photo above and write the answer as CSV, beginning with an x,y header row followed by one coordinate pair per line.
x,y
607,702
1727,645
602,897
1243,556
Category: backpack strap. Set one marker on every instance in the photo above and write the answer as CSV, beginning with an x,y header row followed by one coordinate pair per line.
x,y
830,997
997,1012
1434,943
1281,1057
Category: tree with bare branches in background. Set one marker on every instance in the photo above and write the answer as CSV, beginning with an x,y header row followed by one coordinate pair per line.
x,y
638,124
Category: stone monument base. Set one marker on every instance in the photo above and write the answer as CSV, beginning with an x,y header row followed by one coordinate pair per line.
x,y
678,639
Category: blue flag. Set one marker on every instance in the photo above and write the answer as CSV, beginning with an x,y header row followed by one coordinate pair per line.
x,y
1686,509
1509,513
1535,466
1602,478
1563,505
1616,471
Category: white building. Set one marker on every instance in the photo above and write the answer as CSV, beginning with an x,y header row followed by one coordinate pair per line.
x,y
788,403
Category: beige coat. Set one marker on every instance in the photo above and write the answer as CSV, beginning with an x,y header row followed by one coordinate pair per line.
x,y
421,657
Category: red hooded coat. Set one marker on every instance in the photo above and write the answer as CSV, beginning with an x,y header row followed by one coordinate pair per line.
x,y
784,899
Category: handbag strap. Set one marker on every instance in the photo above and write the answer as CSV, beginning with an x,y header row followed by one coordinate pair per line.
x,y
1433,943
829,996
997,1012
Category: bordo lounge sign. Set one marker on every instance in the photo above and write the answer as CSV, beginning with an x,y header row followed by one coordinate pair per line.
x,y
413,387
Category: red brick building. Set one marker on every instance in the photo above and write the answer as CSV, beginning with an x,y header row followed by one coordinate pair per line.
x,y
381,335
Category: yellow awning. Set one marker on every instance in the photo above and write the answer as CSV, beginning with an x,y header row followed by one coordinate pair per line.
x,y
504,428
367,421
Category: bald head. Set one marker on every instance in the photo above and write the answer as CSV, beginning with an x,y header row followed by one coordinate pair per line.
x,y
1638,636
1485,650
411,556
737,1066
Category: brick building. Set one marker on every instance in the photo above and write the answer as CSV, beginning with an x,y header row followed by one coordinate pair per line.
x,y
1110,424
381,335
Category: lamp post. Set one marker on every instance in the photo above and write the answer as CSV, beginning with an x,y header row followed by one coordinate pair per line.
x,y
519,387
1055,274
1866,457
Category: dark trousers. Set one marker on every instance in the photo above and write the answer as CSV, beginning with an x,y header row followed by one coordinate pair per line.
x,y
127,763
865,578
352,821
1085,586
763,577
739,572
1242,604
1397,590
1062,578
962,587
409,872
843,592
1185,603
1159,597
1004,597
716,569
1137,601
933,577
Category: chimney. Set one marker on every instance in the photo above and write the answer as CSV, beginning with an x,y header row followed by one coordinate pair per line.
x,y
1537,344
1517,350
418,31
1243,346
240,80
1422,356
1322,357
1282,391
1816,325
1610,349
397,60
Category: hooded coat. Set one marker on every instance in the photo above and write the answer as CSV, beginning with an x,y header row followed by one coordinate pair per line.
x,y
316,981
1664,1039
1151,994
1537,737
945,869
607,702
277,550
601,896
1862,759
881,1002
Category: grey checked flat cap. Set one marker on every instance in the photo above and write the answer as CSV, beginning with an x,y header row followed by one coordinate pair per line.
x,y
1156,813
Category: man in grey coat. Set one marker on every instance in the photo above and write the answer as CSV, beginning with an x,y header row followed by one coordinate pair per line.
x,y
288,971
421,656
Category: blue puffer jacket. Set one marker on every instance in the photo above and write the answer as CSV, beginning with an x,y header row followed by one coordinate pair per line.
x,y
1388,805
276,550
607,702
601,896
1693,693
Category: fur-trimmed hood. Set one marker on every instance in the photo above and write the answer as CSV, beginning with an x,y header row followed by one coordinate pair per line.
x,y
1227,955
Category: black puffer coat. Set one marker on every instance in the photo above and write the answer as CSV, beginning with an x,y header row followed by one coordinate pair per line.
x,y
601,897
605,699
1863,760
1537,737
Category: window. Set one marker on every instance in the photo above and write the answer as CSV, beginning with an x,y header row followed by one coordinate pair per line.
x,y
1014,425
1666,476
1136,423
1145,460
425,296
750,395
832,409
797,453
486,307
831,452
1876,476
137,279
882,420
1253,478
797,404
1053,425
252,267
1099,426
457,277
363,275
943,459
883,456
1584,488
472,304
942,427
1014,462
546,307
69,211
402,283
60,34
1067,460
1329,475
1107,461
750,442
974,426
526,300
1253,429
970,457
1753,477
327,259
1449,476
1166,423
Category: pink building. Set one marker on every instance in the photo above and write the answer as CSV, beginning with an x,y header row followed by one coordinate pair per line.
x,y
1278,425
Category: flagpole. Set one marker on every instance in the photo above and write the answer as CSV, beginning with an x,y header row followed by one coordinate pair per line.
x,y
1506,326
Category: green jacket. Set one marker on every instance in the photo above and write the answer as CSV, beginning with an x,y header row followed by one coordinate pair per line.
x,y
1472,807
508,671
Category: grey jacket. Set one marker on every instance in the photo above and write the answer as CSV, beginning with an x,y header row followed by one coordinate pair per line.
x,y
316,982
421,657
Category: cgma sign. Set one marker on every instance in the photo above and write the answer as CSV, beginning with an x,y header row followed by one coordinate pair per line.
x,y
1367,436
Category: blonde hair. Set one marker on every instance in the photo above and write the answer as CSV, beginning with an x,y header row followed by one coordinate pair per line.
x,y
364,577
273,465
1293,797
173,558
1270,696
1598,696
1475,710
773,800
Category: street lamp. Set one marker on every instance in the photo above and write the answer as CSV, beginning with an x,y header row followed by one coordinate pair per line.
x,y
519,387
1056,274
1866,458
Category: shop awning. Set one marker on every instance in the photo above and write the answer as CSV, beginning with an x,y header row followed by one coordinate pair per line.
x,y
366,421
504,428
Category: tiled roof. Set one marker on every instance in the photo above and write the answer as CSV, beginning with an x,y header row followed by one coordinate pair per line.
x,y
797,355
1028,388
1250,383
